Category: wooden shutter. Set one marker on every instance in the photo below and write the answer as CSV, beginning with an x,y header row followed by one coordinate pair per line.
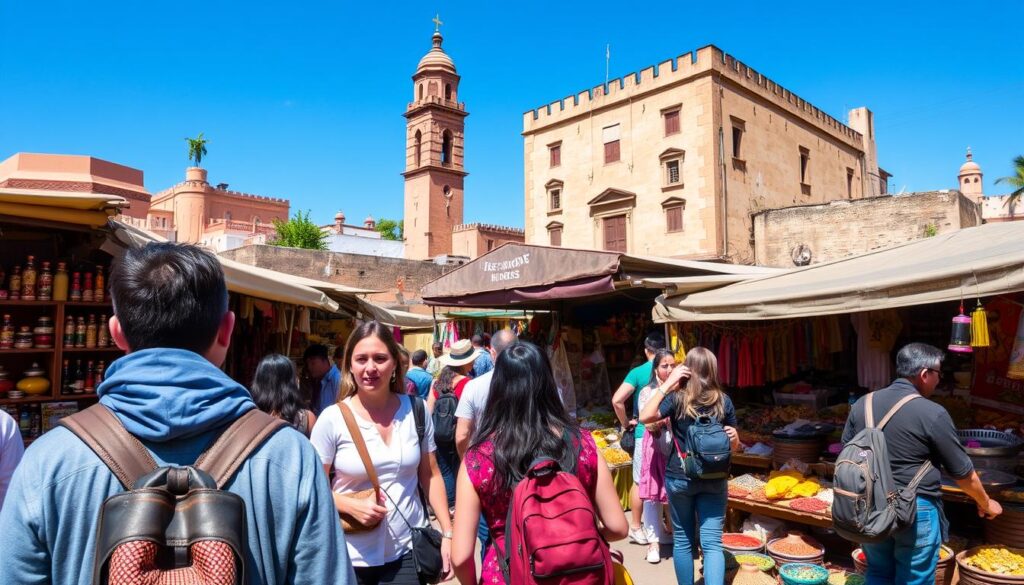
x,y
615,233
671,122
674,218
555,236
556,156
611,151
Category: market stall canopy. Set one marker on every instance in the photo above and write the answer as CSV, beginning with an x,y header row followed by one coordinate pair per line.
x,y
241,278
395,317
523,274
88,209
972,262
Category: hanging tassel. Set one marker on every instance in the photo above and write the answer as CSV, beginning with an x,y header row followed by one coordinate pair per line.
x,y
979,327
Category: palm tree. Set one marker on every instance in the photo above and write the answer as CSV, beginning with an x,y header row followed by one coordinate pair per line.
x,y
1016,181
197,148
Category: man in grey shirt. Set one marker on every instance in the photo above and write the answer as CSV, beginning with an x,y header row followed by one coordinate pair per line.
x,y
474,397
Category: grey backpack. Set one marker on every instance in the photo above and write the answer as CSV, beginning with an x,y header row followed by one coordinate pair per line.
x,y
867,506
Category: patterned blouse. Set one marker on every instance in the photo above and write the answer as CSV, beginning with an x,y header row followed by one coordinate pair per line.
x,y
495,500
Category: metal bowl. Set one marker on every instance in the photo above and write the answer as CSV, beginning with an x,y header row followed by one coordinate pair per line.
x,y
993,443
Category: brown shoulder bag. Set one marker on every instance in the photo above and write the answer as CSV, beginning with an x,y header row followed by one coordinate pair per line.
x,y
348,522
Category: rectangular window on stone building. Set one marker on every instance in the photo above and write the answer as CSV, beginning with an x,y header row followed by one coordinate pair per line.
x,y
849,183
737,141
610,137
672,172
671,122
555,236
555,155
674,218
805,171
556,199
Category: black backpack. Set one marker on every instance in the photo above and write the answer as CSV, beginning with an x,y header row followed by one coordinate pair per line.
x,y
172,522
868,507
444,419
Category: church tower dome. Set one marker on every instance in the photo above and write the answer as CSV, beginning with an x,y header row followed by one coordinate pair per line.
x,y
436,59
969,179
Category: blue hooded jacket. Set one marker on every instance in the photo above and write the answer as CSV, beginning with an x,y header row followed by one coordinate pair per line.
x,y
174,401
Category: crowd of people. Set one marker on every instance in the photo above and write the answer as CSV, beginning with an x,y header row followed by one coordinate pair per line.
x,y
389,443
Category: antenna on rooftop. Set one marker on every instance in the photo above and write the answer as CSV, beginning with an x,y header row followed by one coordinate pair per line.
x,y
607,59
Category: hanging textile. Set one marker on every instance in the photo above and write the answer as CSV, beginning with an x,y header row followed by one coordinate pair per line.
x,y
302,323
1016,368
874,369
562,372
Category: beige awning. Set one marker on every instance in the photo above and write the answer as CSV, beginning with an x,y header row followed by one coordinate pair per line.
x,y
394,317
241,278
89,209
972,262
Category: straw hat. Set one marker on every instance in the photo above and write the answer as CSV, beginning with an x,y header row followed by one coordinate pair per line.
x,y
461,353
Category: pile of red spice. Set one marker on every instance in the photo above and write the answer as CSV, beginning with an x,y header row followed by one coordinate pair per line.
x,y
758,495
808,505
740,541
738,492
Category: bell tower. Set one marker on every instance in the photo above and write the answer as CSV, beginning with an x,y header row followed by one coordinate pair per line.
x,y
969,179
434,172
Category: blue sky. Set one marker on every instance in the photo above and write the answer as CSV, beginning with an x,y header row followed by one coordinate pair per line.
x,y
304,99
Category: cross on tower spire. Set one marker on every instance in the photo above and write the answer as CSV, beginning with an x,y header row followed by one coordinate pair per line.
x,y
437,23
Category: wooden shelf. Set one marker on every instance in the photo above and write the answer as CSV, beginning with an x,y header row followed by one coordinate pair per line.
x,y
86,304
19,303
113,348
47,398
24,351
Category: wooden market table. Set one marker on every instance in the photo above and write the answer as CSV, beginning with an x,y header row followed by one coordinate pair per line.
x,y
780,512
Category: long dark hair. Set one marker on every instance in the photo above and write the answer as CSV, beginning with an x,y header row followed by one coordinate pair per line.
x,y
523,408
383,333
275,389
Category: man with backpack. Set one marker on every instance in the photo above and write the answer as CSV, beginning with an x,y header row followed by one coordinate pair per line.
x,y
264,505
887,479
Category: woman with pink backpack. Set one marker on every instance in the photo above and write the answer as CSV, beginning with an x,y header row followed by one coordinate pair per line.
x,y
528,453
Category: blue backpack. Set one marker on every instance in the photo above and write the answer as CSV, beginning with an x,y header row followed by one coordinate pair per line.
x,y
708,450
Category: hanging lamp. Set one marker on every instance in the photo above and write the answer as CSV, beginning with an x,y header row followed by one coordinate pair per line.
x,y
960,339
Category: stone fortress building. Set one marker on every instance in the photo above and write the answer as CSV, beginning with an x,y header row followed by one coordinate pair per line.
x,y
673,160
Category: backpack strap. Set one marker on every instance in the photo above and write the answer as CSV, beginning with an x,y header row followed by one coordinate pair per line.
x,y
869,419
234,445
419,414
100,429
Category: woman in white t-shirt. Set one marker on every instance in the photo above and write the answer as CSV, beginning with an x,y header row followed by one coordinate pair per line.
x,y
372,387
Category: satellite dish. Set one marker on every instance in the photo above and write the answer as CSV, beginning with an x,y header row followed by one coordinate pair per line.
x,y
801,255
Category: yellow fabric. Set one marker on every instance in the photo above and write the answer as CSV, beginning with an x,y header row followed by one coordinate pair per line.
x,y
622,576
623,478
979,328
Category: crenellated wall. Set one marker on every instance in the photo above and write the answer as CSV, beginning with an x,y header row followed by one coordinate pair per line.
x,y
704,61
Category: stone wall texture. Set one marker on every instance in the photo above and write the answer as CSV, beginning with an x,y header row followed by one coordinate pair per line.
x,y
845,228
400,280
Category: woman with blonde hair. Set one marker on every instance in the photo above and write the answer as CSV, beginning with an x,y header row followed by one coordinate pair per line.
x,y
373,407
691,391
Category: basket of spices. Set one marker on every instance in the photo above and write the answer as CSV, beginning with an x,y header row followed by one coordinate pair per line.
x,y
844,578
796,548
738,542
803,574
991,565
763,562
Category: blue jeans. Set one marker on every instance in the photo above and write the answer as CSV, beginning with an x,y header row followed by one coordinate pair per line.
x,y
693,501
910,556
448,464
